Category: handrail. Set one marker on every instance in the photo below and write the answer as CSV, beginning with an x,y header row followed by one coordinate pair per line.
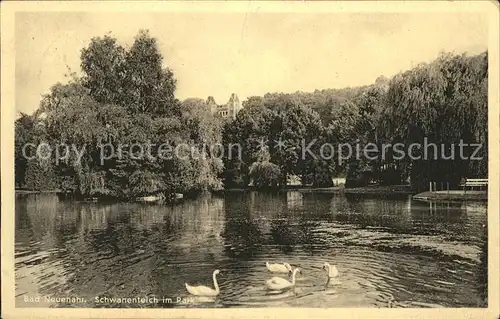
x,y
475,182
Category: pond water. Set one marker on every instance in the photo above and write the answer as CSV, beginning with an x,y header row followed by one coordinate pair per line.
x,y
389,252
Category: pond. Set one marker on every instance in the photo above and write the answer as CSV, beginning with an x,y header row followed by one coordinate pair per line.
x,y
388,252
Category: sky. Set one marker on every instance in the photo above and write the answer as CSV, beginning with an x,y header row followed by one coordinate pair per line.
x,y
249,53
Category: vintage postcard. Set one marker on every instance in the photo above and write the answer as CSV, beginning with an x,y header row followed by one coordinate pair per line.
x,y
250,159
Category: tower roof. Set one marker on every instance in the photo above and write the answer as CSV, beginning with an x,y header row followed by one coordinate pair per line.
x,y
211,100
234,98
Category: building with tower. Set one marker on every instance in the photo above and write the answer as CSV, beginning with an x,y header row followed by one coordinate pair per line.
x,y
228,110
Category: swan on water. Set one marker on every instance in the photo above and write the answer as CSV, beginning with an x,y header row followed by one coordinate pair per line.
x,y
204,290
330,270
282,268
278,283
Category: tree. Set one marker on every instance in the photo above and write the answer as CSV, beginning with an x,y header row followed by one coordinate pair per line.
x,y
370,105
24,128
285,126
205,135
148,86
103,63
40,175
264,174
443,101
296,126
247,133
131,78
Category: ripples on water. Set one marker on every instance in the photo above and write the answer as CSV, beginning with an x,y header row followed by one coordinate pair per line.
x,y
389,252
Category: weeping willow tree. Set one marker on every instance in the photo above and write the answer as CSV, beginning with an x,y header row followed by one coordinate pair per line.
x,y
40,175
145,183
31,172
264,173
205,133
446,102
92,183
72,121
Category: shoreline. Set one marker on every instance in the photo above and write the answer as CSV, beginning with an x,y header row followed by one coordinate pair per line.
x,y
24,191
393,190
454,195
366,190
382,190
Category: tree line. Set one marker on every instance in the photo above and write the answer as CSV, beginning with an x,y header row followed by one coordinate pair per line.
x,y
127,95
444,103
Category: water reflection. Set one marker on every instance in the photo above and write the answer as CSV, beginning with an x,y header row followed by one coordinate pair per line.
x,y
408,253
294,200
242,236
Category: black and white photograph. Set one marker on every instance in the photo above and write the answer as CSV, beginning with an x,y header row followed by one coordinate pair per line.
x,y
225,157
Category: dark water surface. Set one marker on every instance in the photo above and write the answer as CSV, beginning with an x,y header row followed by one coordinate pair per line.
x,y
400,252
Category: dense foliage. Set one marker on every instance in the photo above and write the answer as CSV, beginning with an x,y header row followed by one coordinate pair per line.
x,y
444,102
124,97
127,96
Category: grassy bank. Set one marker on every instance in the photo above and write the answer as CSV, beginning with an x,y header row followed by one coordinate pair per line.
x,y
453,195
25,191
335,189
382,190
375,190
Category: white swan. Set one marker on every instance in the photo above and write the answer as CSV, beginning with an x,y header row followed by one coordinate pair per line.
x,y
204,290
278,283
330,270
281,268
